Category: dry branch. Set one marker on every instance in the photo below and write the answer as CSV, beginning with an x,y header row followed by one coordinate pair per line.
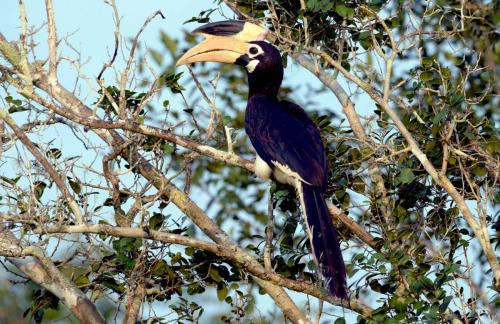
x,y
37,266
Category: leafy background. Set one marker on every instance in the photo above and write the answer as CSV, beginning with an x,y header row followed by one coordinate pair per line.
x,y
426,263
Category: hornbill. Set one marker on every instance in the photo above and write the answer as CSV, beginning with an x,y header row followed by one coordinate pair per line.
x,y
288,143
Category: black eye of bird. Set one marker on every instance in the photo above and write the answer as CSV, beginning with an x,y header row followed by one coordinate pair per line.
x,y
253,50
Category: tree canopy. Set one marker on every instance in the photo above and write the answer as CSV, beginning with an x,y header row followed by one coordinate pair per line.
x,y
136,199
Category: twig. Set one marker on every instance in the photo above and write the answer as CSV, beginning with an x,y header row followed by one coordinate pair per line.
x,y
117,35
24,51
46,164
126,70
52,41
303,8
269,233
352,225
214,111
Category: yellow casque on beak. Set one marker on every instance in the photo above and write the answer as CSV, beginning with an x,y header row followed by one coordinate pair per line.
x,y
225,42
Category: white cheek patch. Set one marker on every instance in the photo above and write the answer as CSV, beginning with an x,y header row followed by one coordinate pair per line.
x,y
252,65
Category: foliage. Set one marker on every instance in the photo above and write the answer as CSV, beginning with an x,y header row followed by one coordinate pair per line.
x,y
425,264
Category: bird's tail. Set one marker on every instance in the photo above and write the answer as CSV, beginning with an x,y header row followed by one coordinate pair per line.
x,y
323,238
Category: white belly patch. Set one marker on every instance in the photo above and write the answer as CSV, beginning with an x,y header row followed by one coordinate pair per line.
x,y
262,169
281,173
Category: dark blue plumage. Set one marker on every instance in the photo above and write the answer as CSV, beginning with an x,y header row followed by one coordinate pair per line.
x,y
282,131
283,135
324,240
288,143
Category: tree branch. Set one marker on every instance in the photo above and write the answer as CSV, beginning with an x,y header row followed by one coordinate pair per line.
x,y
73,205
239,257
52,40
40,269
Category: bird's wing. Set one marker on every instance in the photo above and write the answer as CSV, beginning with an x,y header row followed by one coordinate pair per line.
x,y
285,137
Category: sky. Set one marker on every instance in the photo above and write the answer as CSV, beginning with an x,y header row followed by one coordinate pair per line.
x,y
88,26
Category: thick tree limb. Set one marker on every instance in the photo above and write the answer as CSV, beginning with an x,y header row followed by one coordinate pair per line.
x,y
34,264
243,260
52,40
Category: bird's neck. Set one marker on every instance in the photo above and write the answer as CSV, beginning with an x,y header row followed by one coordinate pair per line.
x,y
265,82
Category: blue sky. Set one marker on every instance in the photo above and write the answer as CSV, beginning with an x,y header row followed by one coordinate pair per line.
x,y
89,27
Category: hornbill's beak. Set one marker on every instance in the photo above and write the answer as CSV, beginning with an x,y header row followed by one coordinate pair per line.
x,y
225,42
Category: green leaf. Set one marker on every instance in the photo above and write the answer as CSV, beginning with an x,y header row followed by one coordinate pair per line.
x,y
156,221
496,18
81,281
479,171
189,251
11,181
167,148
226,120
446,73
456,99
214,274
53,153
221,291
157,56
358,185
176,258
440,115
75,186
344,11
406,176
39,188
426,76
14,109
172,82
426,282
160,268
445,303
170,43
320,5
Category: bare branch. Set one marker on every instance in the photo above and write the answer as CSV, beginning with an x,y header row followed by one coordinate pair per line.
x,y
5,116
52,40
40,269
230,252
117,40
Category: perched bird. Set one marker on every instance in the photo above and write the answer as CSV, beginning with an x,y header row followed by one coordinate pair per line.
x,y
288,143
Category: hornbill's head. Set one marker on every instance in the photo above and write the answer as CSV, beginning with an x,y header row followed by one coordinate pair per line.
x,y
236,42
241,43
